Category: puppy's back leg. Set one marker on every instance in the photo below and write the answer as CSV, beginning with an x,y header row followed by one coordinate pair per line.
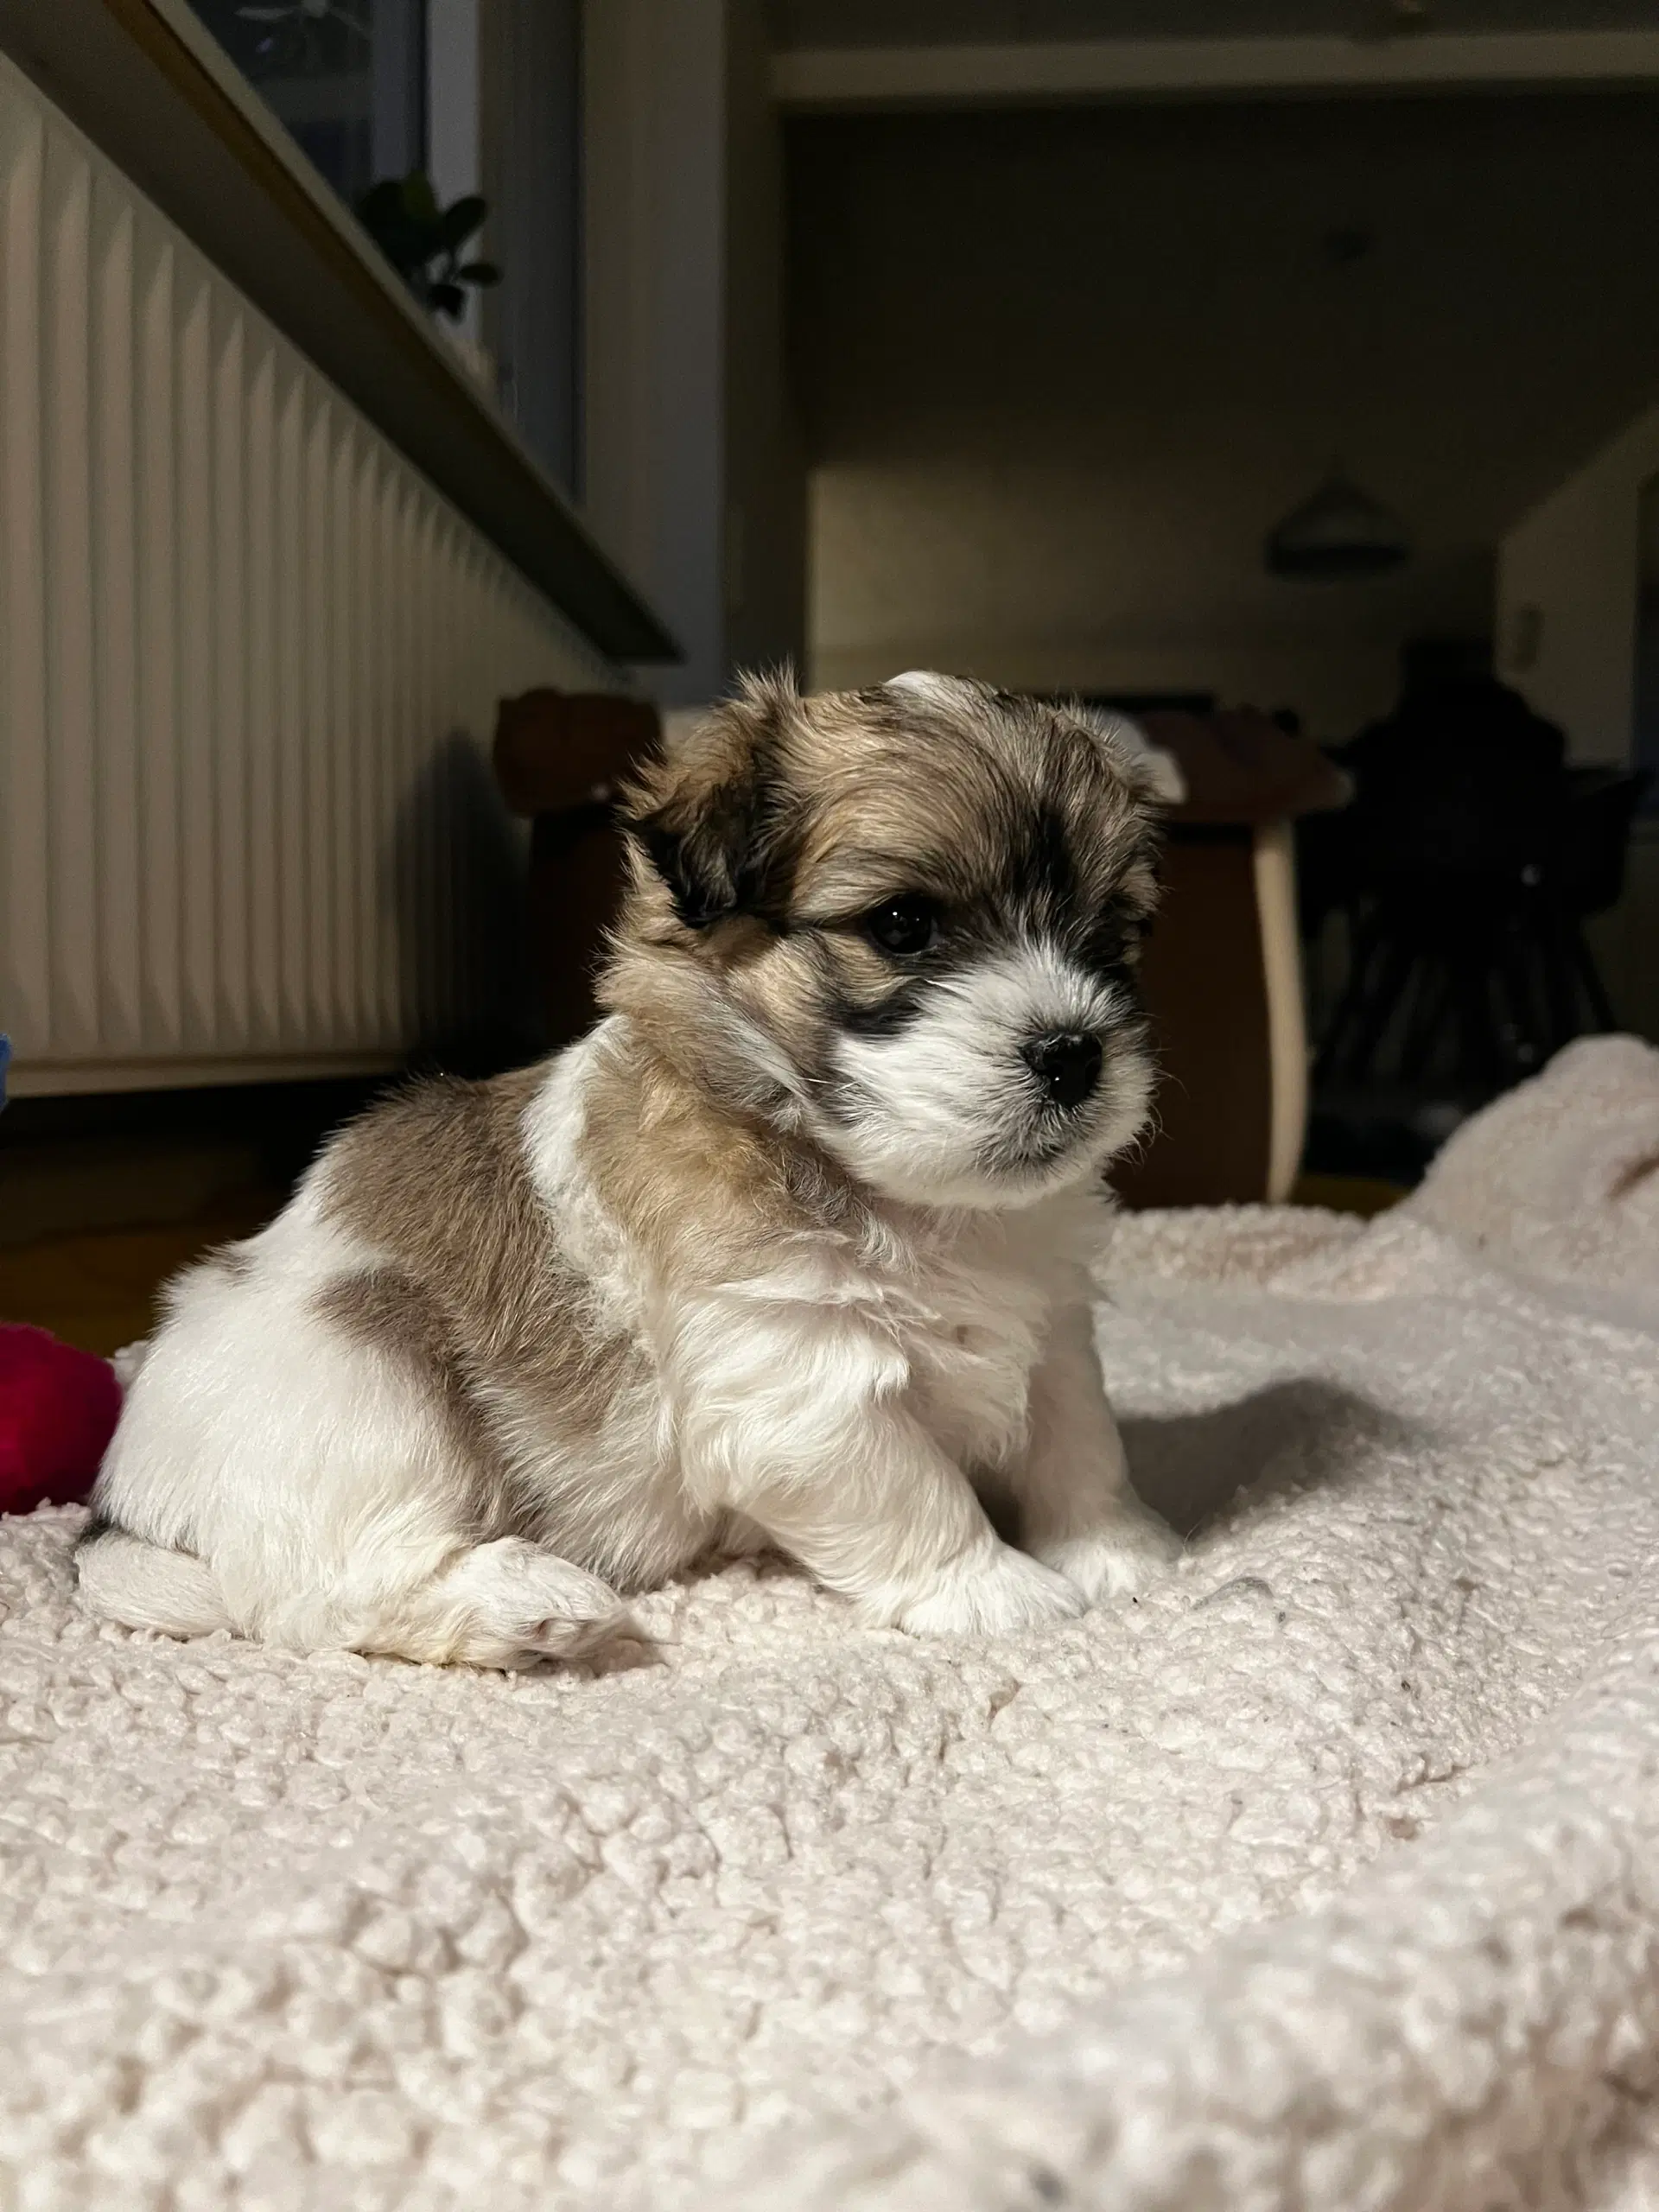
x,y
504,1603
507,1603
302,1441
145,1586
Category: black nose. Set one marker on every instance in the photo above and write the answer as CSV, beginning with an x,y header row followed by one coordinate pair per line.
x,y
1065,1064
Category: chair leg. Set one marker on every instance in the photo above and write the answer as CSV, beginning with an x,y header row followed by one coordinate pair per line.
x,y
1590,975
1398,962
1560,981
1532,1036
1367,944
1480,1048
1428,1012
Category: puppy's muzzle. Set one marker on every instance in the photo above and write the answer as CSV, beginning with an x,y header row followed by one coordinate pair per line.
x,y
1066,1064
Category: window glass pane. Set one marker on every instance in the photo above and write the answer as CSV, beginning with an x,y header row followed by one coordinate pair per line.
x,y
346,77
531,76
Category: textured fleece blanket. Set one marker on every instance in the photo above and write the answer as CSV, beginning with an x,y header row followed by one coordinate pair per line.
x,y
1326,1876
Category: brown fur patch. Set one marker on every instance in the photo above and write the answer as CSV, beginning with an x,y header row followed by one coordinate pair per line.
x,y
386,1310
706,1193
474,1292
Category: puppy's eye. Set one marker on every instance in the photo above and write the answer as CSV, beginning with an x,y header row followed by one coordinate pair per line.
x,y
903,925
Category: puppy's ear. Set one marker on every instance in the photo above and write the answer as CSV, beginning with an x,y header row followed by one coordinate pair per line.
x,y
705,819
1154,774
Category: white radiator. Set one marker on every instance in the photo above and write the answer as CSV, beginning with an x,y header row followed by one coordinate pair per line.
x,y
249,666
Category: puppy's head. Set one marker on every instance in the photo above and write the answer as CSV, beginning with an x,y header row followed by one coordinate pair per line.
x,y
904,921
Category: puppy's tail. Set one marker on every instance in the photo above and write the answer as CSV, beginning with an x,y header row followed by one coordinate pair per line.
x,y
142,1586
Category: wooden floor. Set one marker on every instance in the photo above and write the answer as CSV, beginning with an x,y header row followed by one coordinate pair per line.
x,y
97,1288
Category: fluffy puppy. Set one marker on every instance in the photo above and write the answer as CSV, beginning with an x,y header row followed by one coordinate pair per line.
x,y
791,1249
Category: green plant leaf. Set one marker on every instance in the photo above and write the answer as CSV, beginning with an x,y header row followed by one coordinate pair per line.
x,y
401,235
462,218
479,272
419,201
381,200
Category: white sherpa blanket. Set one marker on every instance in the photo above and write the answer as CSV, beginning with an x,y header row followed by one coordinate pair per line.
x,y
1326,1876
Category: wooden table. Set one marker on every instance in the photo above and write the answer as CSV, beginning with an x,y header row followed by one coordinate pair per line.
x,y
1221,972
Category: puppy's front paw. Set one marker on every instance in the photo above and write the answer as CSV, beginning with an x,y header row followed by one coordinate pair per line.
x,y
991,1592
1118,1559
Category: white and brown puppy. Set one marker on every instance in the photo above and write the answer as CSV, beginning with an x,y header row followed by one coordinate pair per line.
x,y
791,1248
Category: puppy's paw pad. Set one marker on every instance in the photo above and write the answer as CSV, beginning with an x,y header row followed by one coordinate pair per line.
x,y
1120,1560
995,1593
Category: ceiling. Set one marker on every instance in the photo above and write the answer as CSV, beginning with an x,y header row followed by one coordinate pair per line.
x,y
841,23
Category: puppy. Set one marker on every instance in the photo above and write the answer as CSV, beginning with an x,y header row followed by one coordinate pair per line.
x,y
792,1249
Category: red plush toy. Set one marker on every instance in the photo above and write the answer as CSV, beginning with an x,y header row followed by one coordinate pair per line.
x,y
58,1409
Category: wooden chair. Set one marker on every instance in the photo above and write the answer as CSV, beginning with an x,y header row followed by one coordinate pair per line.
x,y
561,759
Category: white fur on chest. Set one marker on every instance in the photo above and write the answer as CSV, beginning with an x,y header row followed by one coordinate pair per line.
x,y
972,1316
949,1312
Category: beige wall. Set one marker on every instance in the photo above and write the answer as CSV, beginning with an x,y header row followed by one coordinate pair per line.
x,y
693,476
1060,373
765,477
653,115
1040,579
1566,595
